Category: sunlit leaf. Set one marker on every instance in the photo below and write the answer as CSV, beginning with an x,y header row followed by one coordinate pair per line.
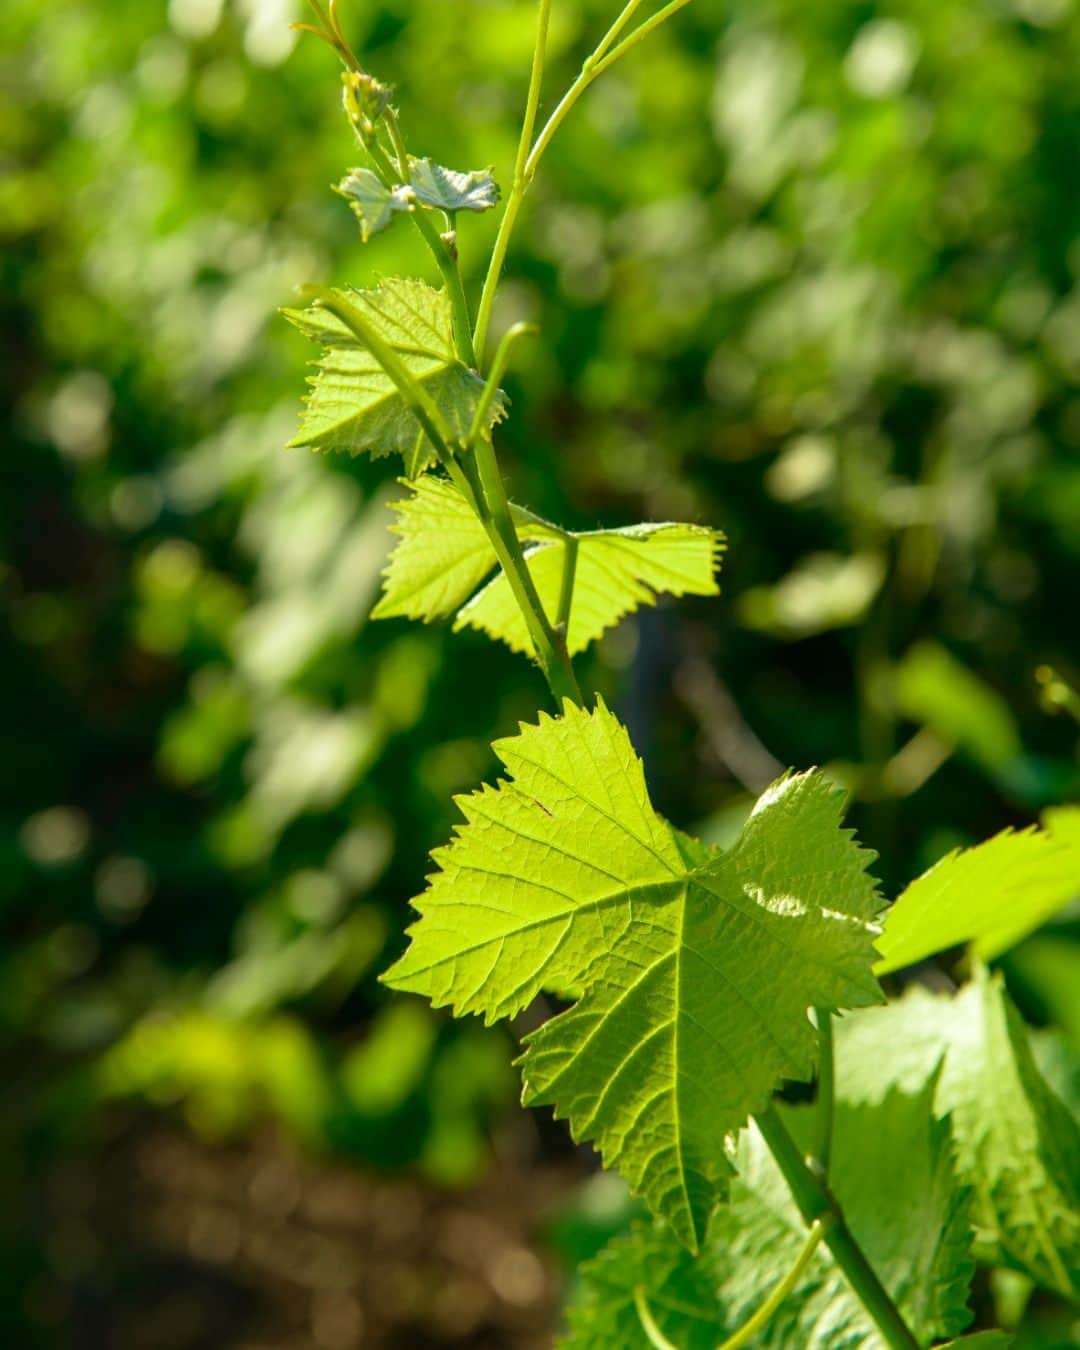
x,y
443,557
696,967
991,895
354,405
617,571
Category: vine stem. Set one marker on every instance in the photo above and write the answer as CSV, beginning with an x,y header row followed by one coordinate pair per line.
x,y
549,645
603,56
826,1090
477,477
519,186
816,1202
441,251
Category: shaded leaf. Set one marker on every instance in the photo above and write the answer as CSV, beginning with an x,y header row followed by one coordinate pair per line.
x,y
696,967
991,895
1017,1145
910,1221
354,405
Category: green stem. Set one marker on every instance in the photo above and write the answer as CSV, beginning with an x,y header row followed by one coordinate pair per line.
x,y
815,1201
759,1320
616,28
826,1090
498,369
444,257
600,59
550,650
566,592
655,1336
767,1311
520,185
401,154
642,31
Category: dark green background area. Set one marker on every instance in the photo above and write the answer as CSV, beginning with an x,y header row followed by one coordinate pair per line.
x,y
808,273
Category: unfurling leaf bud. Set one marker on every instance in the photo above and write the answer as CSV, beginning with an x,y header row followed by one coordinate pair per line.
x,y
365,101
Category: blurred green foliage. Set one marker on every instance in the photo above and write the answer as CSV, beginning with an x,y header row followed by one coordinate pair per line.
x,y
810,274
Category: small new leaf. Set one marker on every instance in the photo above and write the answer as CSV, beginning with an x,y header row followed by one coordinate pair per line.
x,y
696,968
449,190
616,572
444,556
991,895
355,406
1017,1145
373,204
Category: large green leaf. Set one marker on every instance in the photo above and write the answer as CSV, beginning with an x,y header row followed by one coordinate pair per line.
x,y
444,556
991,895
895,1184
354,405
696,967
1017,1145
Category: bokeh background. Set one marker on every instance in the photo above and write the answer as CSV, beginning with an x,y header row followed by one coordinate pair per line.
x,y
807,272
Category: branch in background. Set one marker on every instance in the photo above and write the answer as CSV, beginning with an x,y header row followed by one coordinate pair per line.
x,y
728,736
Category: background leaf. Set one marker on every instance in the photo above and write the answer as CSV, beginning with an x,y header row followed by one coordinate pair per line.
x,y
1017,1145
897,1187
991,895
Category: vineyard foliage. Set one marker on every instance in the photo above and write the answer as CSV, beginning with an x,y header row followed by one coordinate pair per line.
x,y
797,290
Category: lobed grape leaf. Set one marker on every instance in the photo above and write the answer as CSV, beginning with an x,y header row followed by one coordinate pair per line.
x,y
373,203
355,406
897,1187
1017,1144
443,555
991,895
695,967
450,190
616,571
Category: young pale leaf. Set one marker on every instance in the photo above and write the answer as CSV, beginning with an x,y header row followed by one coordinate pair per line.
x,y
616,570
443,555
696,967
910,1222
1017,1145
449,190
373,204
354,405
991,895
